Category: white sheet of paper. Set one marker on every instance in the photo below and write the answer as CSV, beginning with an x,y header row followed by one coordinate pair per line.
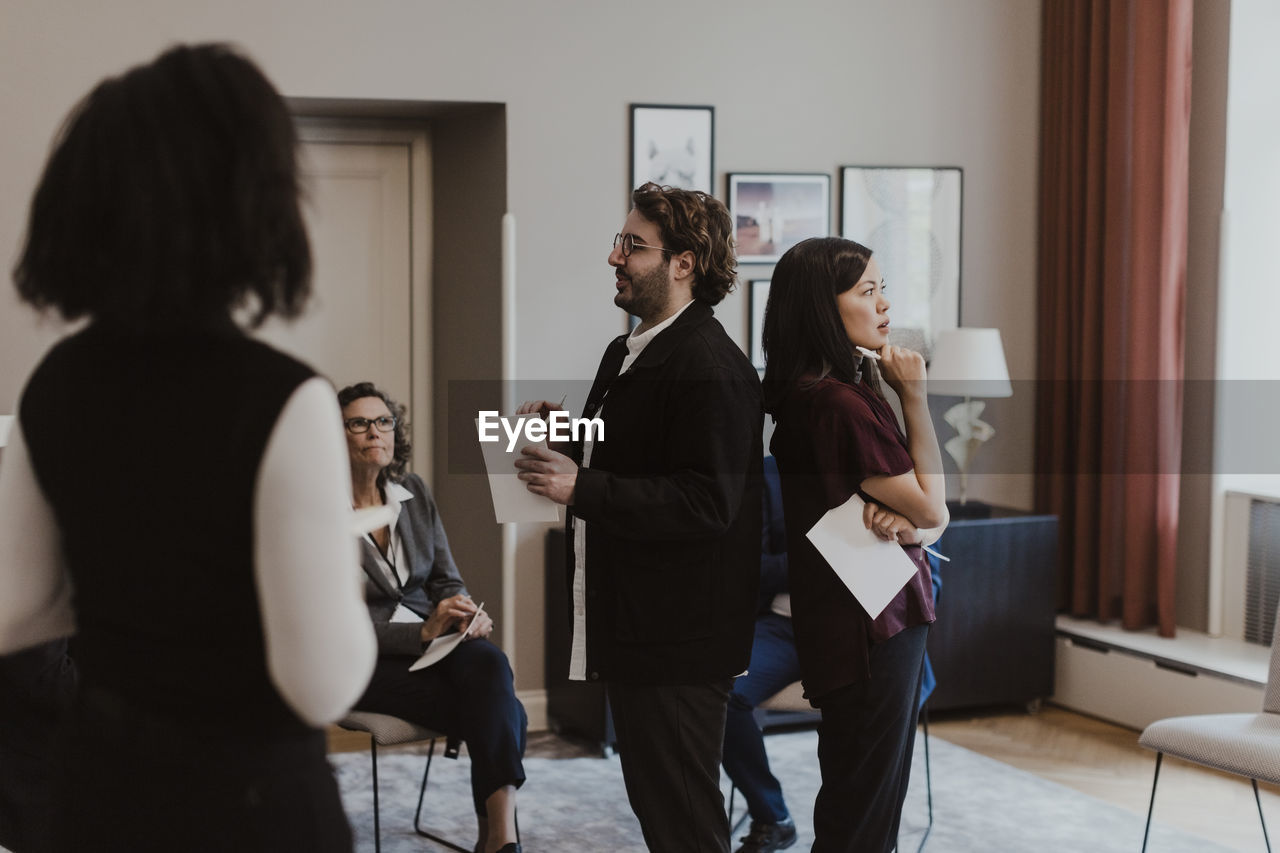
x,y
371,518
512,502
873,569
441,646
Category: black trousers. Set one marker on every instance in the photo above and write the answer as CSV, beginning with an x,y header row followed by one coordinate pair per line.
x,y
865,742
469,695
669,739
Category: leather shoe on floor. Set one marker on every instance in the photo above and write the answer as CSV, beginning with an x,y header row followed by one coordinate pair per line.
x,y
767,837
509,848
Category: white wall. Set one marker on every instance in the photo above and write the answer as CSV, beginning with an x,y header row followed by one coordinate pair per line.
x,y
1246,454
805,86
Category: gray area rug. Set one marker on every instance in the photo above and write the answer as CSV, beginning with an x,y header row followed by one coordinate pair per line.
x,y
579,805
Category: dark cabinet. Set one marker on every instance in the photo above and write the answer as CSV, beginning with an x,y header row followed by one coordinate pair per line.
x,y
993,643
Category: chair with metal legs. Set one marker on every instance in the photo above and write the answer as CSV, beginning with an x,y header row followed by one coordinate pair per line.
x,y
1247,745
386,730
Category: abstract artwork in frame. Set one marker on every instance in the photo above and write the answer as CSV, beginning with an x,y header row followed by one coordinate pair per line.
x,y
673,146
757,298
910,217
772,212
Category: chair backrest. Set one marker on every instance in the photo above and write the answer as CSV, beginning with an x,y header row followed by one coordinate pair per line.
x,y
789,698
1271,700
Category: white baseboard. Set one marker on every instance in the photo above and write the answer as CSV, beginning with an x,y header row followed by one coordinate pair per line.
x,y
535,706
1134,678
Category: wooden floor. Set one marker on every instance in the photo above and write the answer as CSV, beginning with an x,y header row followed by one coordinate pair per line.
x,y
1105,761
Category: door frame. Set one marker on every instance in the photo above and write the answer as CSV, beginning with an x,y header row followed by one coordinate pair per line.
x,y
417,139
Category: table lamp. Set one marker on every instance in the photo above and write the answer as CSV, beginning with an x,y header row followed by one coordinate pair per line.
x,y
968,363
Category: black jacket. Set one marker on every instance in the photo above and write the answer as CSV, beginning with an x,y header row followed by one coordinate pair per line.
x,y
672,504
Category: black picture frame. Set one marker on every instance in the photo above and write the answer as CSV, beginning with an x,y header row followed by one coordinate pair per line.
x,y
673,145
772,211
757,298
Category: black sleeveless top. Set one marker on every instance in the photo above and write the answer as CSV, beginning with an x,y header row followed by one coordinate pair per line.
x,y
148,449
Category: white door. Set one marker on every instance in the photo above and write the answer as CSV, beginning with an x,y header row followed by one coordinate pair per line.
x,y
369,311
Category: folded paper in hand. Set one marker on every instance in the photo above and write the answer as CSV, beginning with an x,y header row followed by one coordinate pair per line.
x,y
441,646
873,569
512,501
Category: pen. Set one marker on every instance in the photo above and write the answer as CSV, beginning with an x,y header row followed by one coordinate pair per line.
x,y
562,399
479,610
929,550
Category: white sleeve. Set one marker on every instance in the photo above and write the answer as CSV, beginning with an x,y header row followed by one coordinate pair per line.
x,y
929,535
35,589
320,643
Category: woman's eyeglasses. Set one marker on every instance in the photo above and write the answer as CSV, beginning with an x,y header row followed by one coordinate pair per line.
x,y
386,423
629,244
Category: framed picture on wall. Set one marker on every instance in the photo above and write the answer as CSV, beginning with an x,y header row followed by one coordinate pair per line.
x,y
910,217
773,211
757,298
673,145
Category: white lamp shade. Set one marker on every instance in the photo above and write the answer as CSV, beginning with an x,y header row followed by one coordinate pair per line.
x,y
969,363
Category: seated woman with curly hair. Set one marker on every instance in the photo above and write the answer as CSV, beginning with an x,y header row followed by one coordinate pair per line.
x,y
415,594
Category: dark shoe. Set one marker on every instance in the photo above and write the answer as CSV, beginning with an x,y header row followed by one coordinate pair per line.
x,y
509,848
767,837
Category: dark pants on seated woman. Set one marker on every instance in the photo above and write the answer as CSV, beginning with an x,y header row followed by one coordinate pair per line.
x,y
865,743
468,695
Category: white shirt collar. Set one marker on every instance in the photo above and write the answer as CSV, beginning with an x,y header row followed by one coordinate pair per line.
x,y
397,493
637,342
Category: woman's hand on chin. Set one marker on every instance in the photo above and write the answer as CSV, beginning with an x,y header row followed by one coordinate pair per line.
x,y
903,369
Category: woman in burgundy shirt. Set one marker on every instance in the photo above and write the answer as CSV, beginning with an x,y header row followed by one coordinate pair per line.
x,y
836,436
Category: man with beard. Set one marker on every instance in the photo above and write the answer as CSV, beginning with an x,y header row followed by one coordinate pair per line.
x,y
664,516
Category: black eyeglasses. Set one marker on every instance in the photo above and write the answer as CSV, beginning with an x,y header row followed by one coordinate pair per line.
x,y
629,244
386,423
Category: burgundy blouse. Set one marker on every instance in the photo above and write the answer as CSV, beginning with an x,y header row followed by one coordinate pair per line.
x,y
830,437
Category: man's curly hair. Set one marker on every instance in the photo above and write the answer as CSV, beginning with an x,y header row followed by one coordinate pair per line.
x,y
692,221
394,472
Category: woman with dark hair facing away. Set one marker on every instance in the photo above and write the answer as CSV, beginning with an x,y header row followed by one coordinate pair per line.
x,y
415,596
175,493
837,436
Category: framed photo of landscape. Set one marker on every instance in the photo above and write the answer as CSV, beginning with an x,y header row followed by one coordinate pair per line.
x,y
773,211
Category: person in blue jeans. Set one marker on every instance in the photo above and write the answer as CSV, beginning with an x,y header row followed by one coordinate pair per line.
x,y
774,665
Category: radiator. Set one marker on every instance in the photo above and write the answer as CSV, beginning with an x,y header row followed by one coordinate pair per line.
x,y
1251,567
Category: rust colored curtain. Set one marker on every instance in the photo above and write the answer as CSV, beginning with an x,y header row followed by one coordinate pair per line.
x,y
1115,107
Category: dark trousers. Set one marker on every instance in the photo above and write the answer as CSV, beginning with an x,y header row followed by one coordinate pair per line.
x,y
468,695
774,665
669,740
865,741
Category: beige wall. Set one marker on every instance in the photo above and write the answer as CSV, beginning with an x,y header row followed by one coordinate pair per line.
x,y
808,86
